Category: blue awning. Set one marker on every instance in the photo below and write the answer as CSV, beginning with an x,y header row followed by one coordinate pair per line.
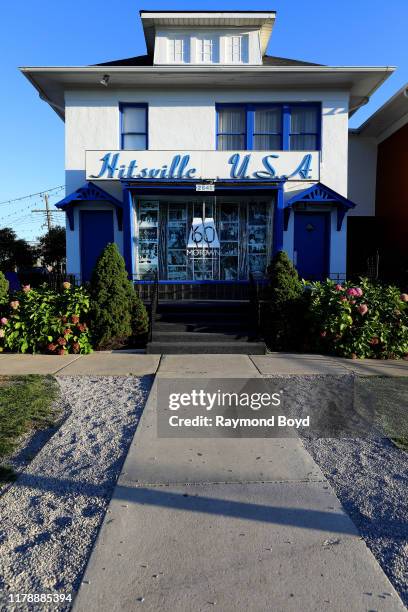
x,y
322,194
89,193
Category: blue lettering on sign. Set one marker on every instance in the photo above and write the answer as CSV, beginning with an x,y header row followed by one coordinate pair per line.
x,y
179,169
304,168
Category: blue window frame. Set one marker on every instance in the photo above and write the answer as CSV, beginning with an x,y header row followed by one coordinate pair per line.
x,y
133,126
262,127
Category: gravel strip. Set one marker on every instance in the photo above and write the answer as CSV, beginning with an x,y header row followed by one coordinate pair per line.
x,y
369,475
370,479
50,517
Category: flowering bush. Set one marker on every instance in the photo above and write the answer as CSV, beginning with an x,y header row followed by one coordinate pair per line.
x,y
364,320
43,320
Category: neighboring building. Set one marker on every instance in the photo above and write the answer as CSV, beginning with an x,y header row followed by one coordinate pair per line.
x,y
378,166
205,156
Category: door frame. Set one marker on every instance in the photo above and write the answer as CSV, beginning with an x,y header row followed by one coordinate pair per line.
x,y
326,214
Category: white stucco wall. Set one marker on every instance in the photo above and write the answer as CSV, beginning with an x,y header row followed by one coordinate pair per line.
x,y
362,169
186,120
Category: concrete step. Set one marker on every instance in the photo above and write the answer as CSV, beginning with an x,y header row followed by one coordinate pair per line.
x,y
201,317
225,306
214,326
171,348
188,336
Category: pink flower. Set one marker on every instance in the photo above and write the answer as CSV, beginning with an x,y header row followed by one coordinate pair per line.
x,y
61,341
66,285
67,331
343,298
3,321
2,333
76,347
61,351
14,304
51,347
26,288
358,292
323,334
75,319
374,341
353,292
362,309
339,288
404,297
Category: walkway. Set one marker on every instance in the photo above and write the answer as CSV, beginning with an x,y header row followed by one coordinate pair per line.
x,y
122,364
227,524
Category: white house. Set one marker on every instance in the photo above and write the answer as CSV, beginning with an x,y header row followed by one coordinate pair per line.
x,y
205,156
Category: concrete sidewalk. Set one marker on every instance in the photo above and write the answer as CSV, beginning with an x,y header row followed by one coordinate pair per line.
x,y
238,524
123,364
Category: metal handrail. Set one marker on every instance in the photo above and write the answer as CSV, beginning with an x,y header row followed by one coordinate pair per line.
x,y
255,302
153,305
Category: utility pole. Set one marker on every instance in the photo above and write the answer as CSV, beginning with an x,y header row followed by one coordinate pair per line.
x,y
46,211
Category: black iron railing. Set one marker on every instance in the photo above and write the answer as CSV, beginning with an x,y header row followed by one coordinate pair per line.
x,y
153,305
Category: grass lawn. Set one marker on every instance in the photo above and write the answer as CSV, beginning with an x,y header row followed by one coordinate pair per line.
x,y
25,404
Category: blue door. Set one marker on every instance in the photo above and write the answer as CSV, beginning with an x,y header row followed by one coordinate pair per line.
x,y
311,244
96,233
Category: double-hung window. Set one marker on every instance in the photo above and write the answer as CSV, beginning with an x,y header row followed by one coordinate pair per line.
x,y
237,49
178,49
232,129
263,127
304,132
207,51
133,126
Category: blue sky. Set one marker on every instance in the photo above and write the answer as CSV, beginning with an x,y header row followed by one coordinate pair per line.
x,y
78,32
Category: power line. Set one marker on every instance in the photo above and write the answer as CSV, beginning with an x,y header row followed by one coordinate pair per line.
x,y
32,195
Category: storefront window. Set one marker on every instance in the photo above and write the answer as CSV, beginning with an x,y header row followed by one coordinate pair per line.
x,y
201,240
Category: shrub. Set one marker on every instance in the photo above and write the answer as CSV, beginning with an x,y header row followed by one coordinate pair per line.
x,y
112,300
281,318
140,320
4,287
43,320
364,320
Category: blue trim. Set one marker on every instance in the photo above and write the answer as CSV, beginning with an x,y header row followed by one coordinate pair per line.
x,y
320,193
278,222
285,132
89,193
124,105
128,231
226,187
285,127
196,282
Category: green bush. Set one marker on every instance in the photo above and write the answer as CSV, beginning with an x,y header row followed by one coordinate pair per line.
x,y
282,319
364,320
43,320
117,313
4,287
140,320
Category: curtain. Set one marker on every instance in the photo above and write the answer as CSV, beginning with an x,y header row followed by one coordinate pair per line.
x,y
303,129
231,129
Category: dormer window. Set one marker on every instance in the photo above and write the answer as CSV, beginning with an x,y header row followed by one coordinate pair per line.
x,y
207,49
178,51
237,49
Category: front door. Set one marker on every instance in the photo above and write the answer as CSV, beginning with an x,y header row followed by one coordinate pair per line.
x,y
96,233
311,244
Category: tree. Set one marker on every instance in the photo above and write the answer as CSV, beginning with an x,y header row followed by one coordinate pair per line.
x,y
15,252
112,300
285,312
52,248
